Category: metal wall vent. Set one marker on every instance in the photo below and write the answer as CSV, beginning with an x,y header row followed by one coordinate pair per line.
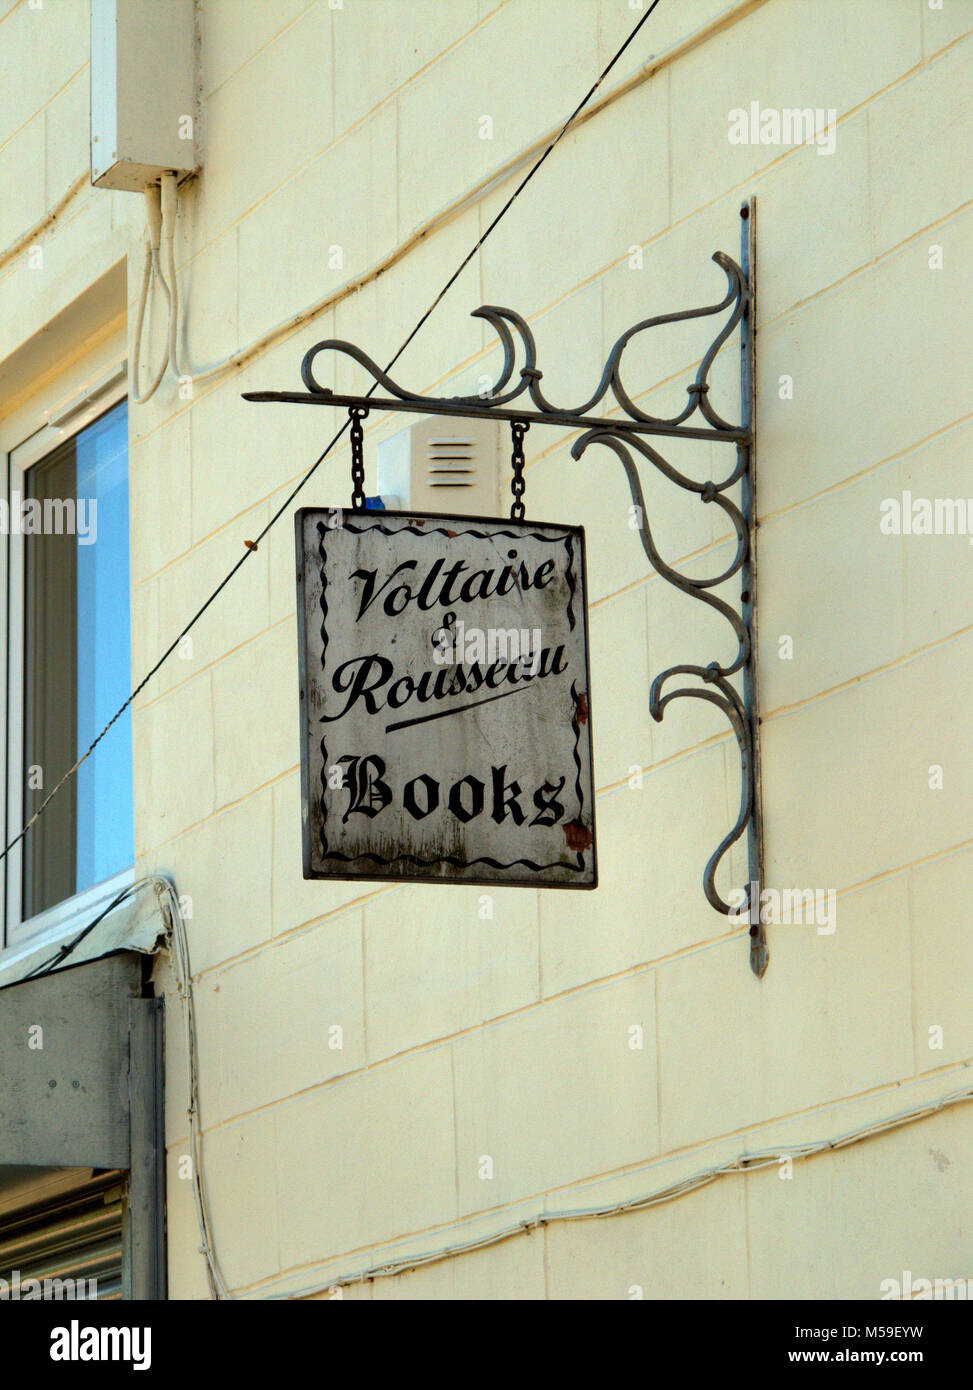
x,y
452,462
427,468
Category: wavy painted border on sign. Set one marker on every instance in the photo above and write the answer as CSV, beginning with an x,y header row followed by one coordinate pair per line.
x,y
382,860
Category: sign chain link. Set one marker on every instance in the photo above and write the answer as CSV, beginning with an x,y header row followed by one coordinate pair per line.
x,y
518,484
357,413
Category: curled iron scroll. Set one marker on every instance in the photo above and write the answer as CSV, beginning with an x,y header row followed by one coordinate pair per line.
x,y
715,686
506,322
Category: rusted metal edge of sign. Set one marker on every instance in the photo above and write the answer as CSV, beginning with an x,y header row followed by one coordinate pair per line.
x,y
623,433
502,792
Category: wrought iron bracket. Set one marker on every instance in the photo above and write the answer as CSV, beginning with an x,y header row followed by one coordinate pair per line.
x,y
522,401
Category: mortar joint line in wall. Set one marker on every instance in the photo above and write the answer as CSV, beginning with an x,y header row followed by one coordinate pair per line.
x,y
705,745
914,987
44,108
371,897
867,265
210,666
646,579
359,906
285,28
676,1154
515,162
436,222
25,239
212,816
742,1165
960,847
448,214
961,422
896,664
294,933
507,170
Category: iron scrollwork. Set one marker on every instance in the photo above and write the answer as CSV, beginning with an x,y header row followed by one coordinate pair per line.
x,y
624,433
494,402
716,676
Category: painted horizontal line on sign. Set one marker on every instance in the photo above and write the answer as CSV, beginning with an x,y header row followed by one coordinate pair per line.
x,y
441,714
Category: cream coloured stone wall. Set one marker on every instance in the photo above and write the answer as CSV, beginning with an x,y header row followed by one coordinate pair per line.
x,y
358,127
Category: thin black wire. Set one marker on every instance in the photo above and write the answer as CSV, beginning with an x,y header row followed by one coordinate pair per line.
x,y
64,951
318,461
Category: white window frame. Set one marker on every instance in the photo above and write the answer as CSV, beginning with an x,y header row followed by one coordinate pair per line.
x,y
66,918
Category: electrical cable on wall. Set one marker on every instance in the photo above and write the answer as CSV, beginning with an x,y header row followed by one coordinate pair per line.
x,y
167,197
742,1164
184,986
151,271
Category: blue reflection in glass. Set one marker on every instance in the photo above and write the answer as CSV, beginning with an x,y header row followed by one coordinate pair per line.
x,y
105,830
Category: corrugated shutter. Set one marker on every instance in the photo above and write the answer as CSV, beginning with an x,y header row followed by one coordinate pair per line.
x,y
74,1236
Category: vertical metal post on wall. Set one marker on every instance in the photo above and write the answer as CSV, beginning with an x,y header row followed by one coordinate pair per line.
x,y
748,499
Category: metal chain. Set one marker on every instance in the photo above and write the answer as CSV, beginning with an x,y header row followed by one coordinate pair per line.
x,y
356,414
518,484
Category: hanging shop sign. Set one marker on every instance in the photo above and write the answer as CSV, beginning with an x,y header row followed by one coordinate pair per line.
x,y
412,807
445,699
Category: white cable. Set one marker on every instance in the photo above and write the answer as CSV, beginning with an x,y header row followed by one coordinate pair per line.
x,y
151,269
170,190
184,985
169,194
743,1163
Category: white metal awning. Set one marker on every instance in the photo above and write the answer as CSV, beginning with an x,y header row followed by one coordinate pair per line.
x,y
139,923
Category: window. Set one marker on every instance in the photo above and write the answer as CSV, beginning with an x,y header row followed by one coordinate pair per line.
x,y
69,670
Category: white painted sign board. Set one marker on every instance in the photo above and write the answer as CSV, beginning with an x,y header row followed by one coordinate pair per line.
x,y
445,699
